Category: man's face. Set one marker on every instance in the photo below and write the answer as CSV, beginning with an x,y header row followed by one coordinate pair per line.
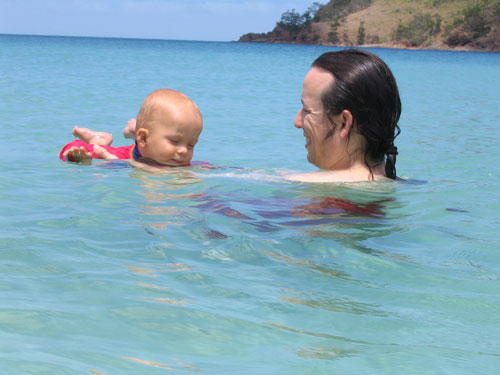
x,y
312,118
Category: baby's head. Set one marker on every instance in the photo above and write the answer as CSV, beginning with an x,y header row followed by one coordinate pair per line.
x,y
168,127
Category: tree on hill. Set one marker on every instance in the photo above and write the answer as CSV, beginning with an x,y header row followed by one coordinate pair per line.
x,y
294,22
339,8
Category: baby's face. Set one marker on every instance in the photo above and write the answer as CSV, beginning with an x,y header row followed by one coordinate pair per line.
x,y
172,142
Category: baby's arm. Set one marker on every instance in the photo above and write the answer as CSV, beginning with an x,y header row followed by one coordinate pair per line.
x,y
103,153
81,155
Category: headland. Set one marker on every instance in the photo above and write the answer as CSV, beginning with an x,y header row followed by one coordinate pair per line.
x,y
462,25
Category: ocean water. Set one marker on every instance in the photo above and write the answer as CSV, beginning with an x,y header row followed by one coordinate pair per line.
x,y
107,269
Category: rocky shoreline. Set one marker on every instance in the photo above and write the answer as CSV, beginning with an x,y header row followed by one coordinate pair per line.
x,y
250,38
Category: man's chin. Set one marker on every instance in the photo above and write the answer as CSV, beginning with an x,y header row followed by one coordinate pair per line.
x,y
313,161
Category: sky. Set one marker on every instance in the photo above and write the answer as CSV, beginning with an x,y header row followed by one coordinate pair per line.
x,y
215,20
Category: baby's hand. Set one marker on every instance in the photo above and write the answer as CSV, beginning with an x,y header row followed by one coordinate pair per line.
x,y
103,153
78,155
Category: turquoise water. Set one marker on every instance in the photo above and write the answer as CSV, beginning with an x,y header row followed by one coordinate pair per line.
x,y
107,269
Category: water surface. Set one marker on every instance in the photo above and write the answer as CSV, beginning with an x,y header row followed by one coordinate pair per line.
x,y
107,269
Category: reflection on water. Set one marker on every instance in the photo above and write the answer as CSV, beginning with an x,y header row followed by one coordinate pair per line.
x,y
315,334
154,269
152,286
177,366
182,198
336,304
149,363
325,353
307,264
170,301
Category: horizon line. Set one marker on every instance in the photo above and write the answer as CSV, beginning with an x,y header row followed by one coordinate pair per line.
x,y
119,37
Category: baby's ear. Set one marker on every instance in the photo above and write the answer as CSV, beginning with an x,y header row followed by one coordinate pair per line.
x,y
142,136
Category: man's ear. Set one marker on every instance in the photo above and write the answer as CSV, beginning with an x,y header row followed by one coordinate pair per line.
x,y
346,122
141,136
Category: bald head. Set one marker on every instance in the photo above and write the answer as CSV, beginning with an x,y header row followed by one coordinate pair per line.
x,y
165,106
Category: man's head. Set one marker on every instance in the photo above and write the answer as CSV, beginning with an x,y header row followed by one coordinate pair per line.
x,y
351,107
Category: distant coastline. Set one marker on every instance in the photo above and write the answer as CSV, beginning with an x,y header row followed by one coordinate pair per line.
x,y
451,25
379,45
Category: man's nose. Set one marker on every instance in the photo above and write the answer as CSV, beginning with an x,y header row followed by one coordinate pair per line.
x,y
298,120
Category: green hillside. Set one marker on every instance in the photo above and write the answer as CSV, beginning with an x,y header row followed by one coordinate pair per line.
x,y
433,24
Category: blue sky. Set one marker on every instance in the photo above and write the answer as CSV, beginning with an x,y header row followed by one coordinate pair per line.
x,y
219,20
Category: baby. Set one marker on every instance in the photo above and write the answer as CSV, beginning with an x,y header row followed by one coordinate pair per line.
x,y
166,130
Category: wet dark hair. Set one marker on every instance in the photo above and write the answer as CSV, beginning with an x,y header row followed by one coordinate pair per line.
x,y
365,86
